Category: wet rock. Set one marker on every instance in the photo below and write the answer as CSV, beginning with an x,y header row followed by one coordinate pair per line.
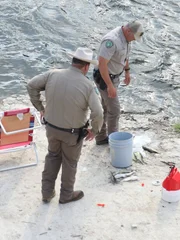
x,y
97,3
133,226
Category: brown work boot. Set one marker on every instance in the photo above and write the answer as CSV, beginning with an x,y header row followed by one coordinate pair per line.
x,y
77,195
47,200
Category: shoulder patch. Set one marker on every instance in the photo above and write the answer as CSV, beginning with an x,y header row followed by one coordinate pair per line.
x,y
109,43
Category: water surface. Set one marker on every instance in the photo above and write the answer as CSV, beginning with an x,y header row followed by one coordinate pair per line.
x,y
36,36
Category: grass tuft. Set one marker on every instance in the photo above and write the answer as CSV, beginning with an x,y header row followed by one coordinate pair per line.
x,y
177,127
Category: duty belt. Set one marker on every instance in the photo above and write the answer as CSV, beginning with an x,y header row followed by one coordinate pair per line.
x,y
70,130
112,76
99,80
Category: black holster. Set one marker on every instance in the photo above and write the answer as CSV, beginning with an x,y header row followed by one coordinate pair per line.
x,y
99,80
83,132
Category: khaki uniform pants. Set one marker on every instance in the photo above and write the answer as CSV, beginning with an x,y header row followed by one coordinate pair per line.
x,y
63,150
111,108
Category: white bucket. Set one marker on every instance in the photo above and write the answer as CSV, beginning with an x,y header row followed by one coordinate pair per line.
x,y
170,196
121,149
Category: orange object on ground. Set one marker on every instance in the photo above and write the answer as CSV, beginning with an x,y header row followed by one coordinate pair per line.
x,y
101,204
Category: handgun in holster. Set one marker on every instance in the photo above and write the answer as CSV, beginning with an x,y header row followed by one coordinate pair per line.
x,y
99,80
83,132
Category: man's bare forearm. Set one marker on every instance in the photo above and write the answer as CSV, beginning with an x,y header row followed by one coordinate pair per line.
x,y
103,68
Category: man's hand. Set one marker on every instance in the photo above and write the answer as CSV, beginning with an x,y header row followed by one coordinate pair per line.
x,y
111,91
90,135
127,78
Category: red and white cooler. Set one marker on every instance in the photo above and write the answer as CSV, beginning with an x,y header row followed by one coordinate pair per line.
x,y
171,186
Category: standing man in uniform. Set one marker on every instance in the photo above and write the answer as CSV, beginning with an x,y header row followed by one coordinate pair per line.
x,y
113,60
69,95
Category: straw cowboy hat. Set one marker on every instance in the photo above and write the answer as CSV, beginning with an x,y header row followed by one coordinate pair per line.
x,y
84,54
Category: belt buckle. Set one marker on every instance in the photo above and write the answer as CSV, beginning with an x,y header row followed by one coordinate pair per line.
x,y
72,130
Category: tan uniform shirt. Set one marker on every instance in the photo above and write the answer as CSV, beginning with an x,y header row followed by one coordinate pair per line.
x,y
115,48
69,95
